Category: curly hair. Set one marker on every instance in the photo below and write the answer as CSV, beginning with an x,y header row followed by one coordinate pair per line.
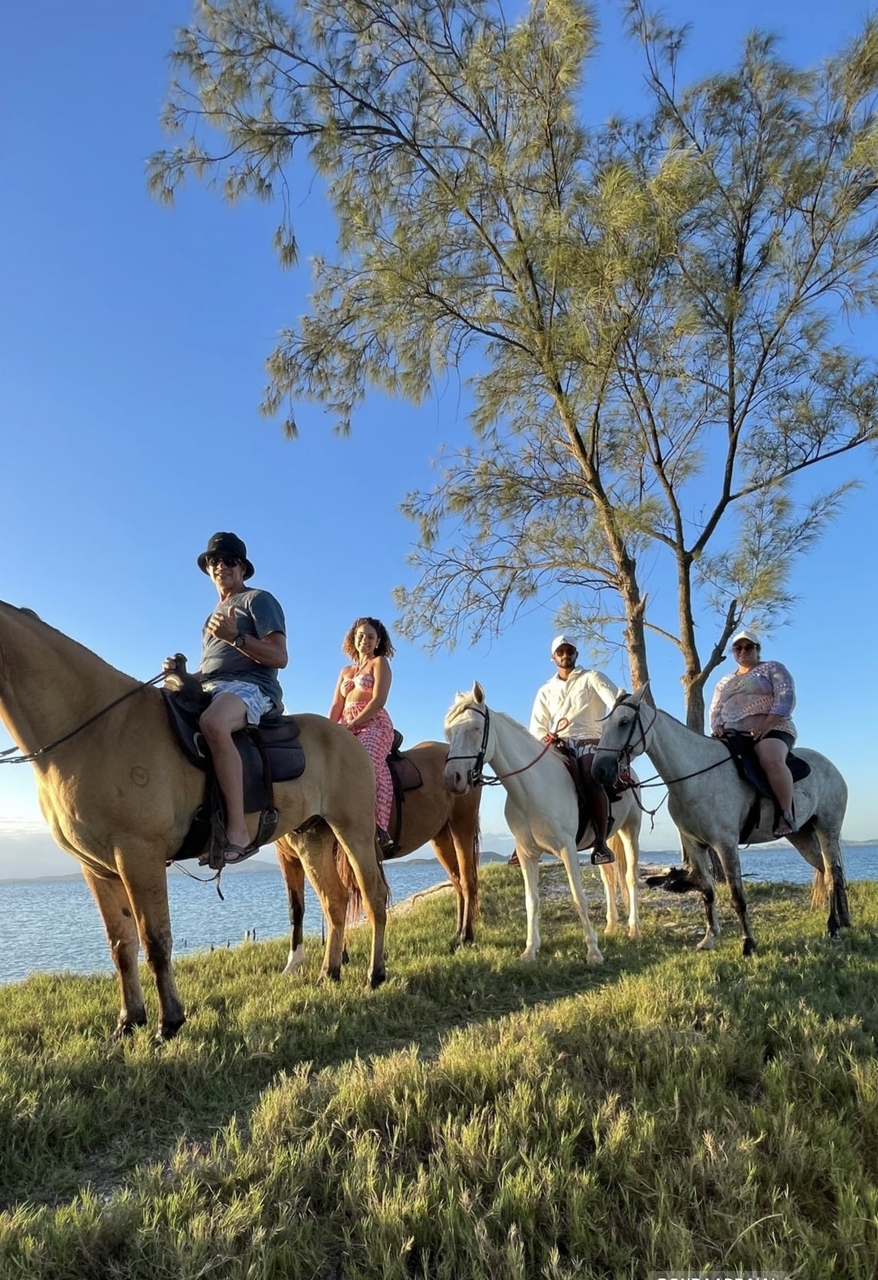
x,y
384,647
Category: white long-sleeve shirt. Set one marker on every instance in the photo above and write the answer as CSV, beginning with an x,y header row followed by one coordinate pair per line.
x,y
576,704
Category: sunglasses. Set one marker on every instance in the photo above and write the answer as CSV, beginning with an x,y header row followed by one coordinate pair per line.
x,y
565,648
228,561
744,647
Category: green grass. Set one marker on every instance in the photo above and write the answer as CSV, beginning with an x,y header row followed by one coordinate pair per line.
x,y
475,1117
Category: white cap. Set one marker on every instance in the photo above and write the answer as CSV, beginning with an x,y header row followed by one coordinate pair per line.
x,y
745,634
558,641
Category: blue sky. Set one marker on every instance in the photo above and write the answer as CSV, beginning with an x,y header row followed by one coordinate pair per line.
x,y
132,349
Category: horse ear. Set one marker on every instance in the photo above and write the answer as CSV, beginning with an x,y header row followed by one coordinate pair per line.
x,y
478,692
637,696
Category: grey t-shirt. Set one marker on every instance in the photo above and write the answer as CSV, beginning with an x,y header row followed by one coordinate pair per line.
x,y
257,613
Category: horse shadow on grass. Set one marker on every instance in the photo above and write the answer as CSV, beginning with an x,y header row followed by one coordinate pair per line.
x,y
249,1026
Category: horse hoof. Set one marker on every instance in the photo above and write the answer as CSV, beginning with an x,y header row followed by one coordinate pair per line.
x,y
170,1029
594,958
749,946
377,977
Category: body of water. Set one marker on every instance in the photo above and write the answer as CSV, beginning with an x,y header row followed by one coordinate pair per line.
x,y
53,926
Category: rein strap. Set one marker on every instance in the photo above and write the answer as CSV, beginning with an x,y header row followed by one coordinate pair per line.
x,y
6,756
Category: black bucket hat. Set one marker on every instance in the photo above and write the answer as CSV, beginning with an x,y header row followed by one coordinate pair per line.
x,y
226,544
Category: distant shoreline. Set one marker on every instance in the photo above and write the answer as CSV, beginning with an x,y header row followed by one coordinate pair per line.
x,y
260,865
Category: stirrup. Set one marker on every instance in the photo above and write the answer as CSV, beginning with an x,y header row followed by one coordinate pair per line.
x,y
602,857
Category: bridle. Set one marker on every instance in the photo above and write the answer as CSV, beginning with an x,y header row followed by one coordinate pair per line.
x,y
629,747
475,775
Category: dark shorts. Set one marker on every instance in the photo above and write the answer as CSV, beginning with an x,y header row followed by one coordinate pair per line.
x,y
784,737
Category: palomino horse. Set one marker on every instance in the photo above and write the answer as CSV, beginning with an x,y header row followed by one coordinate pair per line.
x,y
429,813
119,794
541,809
710,803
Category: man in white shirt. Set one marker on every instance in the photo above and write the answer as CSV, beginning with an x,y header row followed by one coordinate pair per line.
x,y
567,710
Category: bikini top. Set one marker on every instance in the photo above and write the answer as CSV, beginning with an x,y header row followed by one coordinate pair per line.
x,y
364,680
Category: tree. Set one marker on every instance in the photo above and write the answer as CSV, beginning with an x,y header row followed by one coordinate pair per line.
x,y
645,311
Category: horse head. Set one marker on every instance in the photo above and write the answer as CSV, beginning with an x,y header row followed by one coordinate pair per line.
x,y
467,728
623,736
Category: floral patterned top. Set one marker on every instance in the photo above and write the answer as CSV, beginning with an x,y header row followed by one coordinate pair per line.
x,y
741,699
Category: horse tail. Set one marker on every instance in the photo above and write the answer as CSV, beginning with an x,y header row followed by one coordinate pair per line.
x,y
477,848
349,883
819,890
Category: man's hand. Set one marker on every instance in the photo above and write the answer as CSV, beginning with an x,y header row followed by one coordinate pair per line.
x,y
223,625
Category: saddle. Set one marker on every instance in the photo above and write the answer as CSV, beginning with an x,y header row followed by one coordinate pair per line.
x,y
270,752
742,749
405,776
574,768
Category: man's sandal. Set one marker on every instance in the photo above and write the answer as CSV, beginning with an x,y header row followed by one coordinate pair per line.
x,y
232,855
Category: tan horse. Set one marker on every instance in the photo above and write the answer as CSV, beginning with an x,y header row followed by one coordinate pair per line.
x,y
120,795
430,813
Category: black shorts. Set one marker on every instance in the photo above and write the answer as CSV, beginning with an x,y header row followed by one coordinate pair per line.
x,y
784,737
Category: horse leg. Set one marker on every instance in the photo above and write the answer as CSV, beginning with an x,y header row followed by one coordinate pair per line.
x,y
446,856
626,847
146,884
821,848
698,858
317,854
112,902
357,840
529,861
574,878
464,827
294,878
728,855
608,875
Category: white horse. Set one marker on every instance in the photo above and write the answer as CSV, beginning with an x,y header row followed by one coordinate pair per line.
x,y
710,803
541,809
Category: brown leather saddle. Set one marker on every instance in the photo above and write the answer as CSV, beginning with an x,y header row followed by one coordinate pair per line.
x,y
405,776
270,752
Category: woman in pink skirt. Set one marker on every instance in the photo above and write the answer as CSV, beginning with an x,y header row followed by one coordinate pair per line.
x,y
358,703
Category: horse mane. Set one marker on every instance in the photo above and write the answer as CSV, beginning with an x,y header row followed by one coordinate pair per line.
x,y
467,700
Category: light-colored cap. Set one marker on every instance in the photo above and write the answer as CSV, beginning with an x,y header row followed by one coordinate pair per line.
x,y
558,641
744,634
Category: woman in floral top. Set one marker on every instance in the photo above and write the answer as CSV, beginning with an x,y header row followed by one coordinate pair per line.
x,y
757,699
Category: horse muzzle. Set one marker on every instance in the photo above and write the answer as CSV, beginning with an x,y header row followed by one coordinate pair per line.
x,y
605,768
458,780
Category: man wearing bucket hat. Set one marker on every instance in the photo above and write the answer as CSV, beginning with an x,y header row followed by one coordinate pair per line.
x,y
243,648
567,710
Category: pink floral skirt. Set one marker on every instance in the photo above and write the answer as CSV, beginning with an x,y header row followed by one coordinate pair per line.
x,y
377,738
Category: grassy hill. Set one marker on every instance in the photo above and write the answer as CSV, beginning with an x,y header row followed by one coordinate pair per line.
x,y
475,1117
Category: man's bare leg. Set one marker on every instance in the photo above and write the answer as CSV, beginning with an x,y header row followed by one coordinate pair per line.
x,y
225,715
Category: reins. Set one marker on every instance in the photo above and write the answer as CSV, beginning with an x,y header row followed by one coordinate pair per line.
x,y
626,751
6,756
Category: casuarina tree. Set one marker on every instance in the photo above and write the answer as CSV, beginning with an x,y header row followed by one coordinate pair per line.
x,y
645,311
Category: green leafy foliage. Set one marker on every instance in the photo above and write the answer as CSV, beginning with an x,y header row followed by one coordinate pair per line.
x,y
645,311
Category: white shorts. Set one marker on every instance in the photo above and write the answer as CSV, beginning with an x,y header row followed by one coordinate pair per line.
x,y
256,702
